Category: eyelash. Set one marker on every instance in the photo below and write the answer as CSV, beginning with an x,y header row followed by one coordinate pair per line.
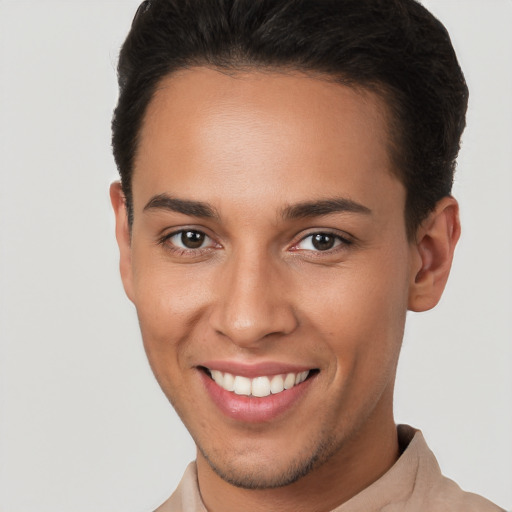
x,y
340,243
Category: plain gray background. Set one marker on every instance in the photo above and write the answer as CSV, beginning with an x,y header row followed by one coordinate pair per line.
x,y
83,425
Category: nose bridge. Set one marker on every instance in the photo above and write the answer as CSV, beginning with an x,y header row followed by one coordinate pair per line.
x,y
252,299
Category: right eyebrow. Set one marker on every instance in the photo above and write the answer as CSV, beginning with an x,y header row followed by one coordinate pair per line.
x,y
184,206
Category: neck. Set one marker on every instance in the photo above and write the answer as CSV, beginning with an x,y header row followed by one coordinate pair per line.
x,y
362,460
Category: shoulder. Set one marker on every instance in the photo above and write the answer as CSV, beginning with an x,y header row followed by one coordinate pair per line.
x,y
432,490
446,495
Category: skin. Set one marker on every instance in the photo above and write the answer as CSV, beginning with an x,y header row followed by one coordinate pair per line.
x,y
251,146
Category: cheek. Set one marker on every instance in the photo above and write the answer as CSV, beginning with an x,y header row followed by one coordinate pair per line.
x,y
170,306
166,294
361,312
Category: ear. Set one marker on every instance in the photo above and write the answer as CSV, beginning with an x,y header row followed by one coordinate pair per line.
x,y
433,248
123,237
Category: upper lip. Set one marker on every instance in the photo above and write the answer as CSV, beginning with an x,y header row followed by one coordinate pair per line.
x,y
255,369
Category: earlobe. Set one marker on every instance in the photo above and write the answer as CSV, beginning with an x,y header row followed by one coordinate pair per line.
x,y
123,236
433,254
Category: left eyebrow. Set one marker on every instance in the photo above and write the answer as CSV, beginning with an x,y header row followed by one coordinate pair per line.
x,y
323,207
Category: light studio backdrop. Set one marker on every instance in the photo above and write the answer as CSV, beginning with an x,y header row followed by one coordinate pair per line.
x,y
83,425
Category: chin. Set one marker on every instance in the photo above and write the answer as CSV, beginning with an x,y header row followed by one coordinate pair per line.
x,y
247,472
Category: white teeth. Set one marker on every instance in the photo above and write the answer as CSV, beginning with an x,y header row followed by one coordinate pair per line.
x,y
259,386
218,377
289,381
242,385
229,382
277,384
301,377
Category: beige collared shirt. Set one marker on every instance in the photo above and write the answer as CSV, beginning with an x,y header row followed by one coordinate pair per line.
x,y
413,484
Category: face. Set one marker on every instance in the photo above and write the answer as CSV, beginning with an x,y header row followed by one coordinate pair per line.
x,y
270,268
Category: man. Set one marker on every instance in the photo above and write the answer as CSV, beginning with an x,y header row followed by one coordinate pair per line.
x,y
286,169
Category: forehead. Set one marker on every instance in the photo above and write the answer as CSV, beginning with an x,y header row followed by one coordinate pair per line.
x,y
207,133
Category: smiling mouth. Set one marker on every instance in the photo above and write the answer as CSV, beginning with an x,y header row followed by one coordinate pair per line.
x,y
261,386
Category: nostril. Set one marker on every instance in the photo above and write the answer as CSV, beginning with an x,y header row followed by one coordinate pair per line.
x,y
250,326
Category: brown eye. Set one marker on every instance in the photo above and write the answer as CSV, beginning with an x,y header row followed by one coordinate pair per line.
x,y
188,239
323,241
192,239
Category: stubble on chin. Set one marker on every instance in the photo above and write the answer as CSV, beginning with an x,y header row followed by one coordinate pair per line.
x,y
266,475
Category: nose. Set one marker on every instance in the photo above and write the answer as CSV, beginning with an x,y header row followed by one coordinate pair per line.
x,y
251,301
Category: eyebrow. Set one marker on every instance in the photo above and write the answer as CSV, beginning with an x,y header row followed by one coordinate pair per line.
x,y
297,211
323,207
184,206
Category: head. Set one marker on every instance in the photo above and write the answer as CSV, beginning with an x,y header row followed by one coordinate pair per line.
x,y
394,48
286,169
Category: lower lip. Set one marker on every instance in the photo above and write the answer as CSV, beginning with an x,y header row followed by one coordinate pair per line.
x,y
252,409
